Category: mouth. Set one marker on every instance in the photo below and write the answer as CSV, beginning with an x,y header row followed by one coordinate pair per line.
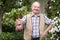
x,y
36,10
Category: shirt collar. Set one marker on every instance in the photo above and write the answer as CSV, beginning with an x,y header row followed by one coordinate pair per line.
x,y
38,15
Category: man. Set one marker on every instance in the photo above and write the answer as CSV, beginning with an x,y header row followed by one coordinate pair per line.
x,y
34,29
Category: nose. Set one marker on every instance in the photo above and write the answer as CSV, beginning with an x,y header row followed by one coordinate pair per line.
x,y
36,7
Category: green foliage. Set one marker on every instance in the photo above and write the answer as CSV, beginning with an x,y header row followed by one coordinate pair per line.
x,y
7,5
52,8
53,11
11,10
8,23
11,36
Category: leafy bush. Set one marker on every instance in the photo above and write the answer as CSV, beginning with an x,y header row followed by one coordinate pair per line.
x,y
8,23
53,10
11,36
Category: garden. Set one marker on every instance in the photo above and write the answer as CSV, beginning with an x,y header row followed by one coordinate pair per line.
x,y
10,10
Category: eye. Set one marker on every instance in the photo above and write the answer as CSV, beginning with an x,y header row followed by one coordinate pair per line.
x,y
38,7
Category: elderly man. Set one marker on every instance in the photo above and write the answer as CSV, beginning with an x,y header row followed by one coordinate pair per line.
x,y
35,21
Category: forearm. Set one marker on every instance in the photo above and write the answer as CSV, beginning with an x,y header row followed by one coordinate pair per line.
x,y
50,24
49,27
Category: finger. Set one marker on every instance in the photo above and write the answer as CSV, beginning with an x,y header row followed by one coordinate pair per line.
x,y
19,19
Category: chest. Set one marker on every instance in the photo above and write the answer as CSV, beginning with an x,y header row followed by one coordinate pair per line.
x,y
35,20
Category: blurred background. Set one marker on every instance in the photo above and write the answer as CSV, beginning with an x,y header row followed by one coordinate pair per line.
x,y
10,10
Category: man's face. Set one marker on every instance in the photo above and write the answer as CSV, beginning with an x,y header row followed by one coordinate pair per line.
x,y
35,8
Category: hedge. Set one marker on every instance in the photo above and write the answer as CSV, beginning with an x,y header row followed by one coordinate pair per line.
x,y
11,36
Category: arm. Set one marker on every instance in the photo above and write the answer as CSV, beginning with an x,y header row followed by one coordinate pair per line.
x,y
50,24
49,27
20,23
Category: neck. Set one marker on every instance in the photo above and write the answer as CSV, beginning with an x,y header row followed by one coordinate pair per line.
x,y
35,13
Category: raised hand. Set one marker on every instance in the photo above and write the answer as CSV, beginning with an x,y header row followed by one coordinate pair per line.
x,y
18,25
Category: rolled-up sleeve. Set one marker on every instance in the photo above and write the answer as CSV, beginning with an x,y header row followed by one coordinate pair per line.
x,y
48,21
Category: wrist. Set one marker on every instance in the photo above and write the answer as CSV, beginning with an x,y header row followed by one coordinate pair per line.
x,y
18,24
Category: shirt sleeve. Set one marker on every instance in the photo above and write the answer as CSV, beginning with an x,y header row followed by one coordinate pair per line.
x,y
48,21
23,21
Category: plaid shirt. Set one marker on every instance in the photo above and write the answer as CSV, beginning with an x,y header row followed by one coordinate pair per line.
x,y
35,24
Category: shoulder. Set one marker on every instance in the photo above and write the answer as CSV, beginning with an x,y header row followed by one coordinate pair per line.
x,y
45,15
29,14
42,15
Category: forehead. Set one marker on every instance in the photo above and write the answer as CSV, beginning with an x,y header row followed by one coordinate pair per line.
x,y
36,4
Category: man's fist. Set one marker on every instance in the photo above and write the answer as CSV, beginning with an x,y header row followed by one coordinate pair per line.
x,y
18,25
19,28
